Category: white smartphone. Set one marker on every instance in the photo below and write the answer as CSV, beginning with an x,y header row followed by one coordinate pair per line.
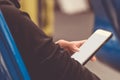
x,y
89,48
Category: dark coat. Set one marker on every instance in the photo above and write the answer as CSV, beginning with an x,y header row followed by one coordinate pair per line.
x,y
43,59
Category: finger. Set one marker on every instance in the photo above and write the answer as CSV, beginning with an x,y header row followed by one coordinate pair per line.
x,y
81,42
75,49
93,58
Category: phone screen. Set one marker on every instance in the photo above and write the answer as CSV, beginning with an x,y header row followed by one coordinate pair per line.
x,y
89,48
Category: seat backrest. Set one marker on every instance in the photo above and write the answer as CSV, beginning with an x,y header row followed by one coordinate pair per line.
x,y
107,16
107,13
11,56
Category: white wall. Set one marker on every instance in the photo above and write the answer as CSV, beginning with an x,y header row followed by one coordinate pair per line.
x,y
73,6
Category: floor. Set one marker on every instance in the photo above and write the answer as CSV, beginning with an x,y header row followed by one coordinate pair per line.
x,y
78,27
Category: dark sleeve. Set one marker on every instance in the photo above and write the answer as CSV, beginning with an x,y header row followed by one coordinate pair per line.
x,y
44,59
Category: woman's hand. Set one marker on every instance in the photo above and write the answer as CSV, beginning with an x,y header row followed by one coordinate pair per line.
x,y
72,46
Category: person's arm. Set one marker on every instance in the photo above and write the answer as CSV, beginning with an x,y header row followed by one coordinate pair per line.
x,y
44,59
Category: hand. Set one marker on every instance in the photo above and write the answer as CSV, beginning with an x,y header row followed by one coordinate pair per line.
x,y
72,46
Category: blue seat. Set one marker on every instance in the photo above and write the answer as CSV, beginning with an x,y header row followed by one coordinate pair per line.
x,y
107,16
15,67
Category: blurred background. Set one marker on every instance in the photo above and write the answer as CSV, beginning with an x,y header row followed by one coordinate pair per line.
x,y
77,20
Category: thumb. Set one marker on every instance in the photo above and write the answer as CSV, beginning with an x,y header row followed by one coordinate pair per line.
x,y
75,49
